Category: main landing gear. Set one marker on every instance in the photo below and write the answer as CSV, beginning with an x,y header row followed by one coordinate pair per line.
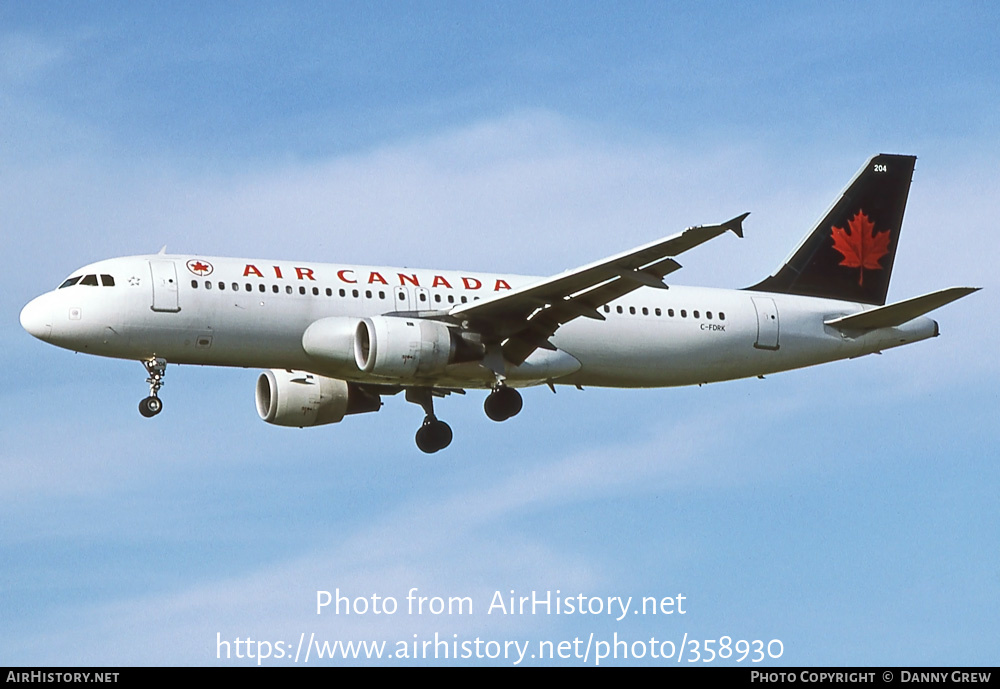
x,y
152,405
503,403
433,434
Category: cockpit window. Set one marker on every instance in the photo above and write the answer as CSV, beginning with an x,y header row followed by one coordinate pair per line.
x,y
90,280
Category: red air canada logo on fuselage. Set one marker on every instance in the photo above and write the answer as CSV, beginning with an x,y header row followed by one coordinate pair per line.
x,y
199,267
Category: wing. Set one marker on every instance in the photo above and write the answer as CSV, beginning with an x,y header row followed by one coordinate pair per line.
x,y
524,319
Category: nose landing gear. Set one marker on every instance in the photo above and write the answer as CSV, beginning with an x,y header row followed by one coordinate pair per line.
x,y
152,405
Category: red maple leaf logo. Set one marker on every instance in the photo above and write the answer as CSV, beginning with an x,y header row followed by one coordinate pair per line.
x,y
861,246
199,268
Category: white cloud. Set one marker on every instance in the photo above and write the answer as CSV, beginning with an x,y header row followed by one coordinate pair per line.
x,y
534,191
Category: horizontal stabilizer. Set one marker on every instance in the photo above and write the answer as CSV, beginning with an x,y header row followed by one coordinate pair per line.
x,y
896,314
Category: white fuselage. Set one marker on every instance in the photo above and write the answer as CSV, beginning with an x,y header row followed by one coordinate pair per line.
x,y
253,313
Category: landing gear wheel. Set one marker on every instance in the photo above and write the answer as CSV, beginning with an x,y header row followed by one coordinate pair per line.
x,y
434,435
503,403
151,406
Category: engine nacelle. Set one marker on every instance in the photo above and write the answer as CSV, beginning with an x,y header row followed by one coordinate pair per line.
x,y
298,399
331,340
394,347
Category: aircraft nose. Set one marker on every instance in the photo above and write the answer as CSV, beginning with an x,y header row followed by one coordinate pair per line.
x,y
36,320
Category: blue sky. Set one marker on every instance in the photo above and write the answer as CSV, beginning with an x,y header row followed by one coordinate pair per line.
x,y
848,510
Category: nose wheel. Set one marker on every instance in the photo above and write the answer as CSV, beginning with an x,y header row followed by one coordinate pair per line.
x,y
153,405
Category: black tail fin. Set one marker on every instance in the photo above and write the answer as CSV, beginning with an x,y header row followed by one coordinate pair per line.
x,y
849,254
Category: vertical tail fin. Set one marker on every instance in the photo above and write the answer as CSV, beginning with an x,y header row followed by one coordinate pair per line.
x,y
849,254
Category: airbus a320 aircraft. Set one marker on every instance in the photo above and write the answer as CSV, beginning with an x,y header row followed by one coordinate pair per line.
x,y
337,338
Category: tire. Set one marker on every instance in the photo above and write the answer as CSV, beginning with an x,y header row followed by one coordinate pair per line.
x,y
433,436
150,407
503,403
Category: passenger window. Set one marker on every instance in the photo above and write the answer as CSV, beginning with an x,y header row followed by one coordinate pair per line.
x,y
619,309
722,316
315,291
236,287
696,314
645,311
631,310
107,280
261,287
684,313
89,280
368,294
658,312
249,287
381,294
208,285
274,288
194,284
302,290
329,292
423,297
670,312
343,293
288,289
464,300
708,315
354,293
222,285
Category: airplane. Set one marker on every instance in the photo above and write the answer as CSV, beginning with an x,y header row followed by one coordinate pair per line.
x,y
334,339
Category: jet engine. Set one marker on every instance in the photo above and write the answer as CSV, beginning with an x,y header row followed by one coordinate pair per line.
x,y
394,347
295,398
